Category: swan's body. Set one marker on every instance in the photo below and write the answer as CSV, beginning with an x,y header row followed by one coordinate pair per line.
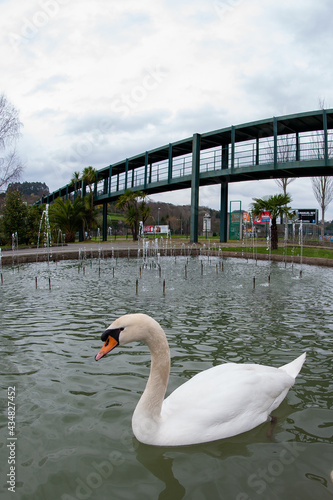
x,y
217,403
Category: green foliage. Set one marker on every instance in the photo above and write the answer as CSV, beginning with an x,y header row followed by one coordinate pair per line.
x,y
15,214
90,213
18,217
28,188
277,205
89,176
319,253
67,216
136,209
76,178
33,223
114,217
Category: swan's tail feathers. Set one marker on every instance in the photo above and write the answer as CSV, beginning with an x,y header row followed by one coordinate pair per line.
x,y
295,366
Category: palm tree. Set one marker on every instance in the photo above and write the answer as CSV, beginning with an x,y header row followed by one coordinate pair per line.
x,y
90,214
136,209
75,182
145,209
67,216
277,205
89,177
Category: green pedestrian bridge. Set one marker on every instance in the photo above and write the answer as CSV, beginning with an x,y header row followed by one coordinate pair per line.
x,y
299,145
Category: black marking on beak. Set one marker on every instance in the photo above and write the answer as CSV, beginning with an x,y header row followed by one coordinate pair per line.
x,y
113,332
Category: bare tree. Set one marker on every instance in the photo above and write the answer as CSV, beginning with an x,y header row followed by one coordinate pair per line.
x,y
322,186
283,183
11,166
323,191
286,152
11,169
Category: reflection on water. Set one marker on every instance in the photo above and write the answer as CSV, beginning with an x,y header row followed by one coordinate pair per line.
x,y
73,415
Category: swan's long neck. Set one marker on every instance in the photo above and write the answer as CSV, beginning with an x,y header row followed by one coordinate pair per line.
x,y
150,403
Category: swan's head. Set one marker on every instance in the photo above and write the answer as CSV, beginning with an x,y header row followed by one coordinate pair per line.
x,y
126,329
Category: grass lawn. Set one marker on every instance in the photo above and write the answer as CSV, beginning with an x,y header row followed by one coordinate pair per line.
x,y
317,252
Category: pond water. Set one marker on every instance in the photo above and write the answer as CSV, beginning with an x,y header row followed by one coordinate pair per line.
x,y
73,415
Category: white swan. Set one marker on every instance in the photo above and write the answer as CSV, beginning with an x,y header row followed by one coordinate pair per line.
x,y
217,403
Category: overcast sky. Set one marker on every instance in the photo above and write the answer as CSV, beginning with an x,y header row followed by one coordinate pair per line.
x,y
98,81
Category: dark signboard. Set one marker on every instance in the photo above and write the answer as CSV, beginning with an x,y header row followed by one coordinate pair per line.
x,y
306,215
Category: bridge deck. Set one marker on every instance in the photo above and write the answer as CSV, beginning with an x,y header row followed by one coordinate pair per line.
x,y
299,145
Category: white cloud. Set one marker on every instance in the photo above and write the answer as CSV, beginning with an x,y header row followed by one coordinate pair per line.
x,y
96,82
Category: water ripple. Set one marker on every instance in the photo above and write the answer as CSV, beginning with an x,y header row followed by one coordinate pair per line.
x,y
72,412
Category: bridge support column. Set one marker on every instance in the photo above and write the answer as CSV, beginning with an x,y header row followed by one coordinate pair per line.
x,y
224,213
325,137
105,222
195,187
170,163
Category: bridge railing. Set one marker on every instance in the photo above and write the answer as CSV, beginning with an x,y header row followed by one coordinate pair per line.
x,y
291,147
157,172
182,166
211,159
308,146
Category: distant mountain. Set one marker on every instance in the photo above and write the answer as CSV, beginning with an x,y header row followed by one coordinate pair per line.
x,y
31,191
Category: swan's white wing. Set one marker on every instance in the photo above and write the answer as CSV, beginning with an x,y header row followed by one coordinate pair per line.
x,y
221,402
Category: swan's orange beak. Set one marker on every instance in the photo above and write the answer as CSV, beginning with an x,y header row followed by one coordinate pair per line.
x,y
110,344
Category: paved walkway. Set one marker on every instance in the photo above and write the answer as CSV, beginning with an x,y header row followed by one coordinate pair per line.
x,y
119,247
129,248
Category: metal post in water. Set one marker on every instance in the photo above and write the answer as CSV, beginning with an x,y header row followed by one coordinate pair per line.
x,y
269,280
163,287
36,282
49,283
254,282
186,271
137,286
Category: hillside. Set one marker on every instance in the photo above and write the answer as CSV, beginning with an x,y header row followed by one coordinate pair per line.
x,y
177,217
31,191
